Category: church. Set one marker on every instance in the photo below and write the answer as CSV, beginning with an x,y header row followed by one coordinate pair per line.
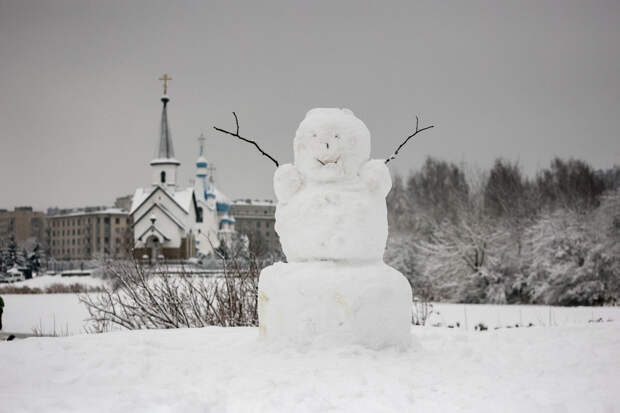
x,y
175,222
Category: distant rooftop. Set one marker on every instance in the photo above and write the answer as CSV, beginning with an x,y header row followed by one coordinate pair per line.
x,y
257,202
98,210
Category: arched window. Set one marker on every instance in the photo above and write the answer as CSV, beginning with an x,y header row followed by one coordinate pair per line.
x,y
162,177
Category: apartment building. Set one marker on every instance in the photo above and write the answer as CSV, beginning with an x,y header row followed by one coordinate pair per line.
x,y
256,219
23,223
90,233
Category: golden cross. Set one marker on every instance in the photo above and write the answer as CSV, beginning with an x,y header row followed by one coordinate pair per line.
x,y
165,78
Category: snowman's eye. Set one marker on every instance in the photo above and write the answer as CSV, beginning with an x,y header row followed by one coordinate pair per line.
x,y
337,136
314,135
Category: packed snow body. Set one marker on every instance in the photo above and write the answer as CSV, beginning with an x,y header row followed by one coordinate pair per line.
x,y
331,202
562,369
332,221
327,302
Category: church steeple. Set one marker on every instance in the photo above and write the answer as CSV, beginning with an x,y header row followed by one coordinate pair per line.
x,y
166,150
204,184
165,165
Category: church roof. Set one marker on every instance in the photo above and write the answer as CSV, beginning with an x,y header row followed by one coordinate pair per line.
x,y
163,209
183,197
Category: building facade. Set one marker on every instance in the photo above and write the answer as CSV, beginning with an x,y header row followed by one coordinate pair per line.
x,y
175,222
123,202
23,224
89,233
256,219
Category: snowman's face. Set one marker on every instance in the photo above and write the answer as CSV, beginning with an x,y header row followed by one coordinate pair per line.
x,y
331,145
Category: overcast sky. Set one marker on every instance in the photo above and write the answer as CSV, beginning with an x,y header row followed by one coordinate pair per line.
x,y
79,89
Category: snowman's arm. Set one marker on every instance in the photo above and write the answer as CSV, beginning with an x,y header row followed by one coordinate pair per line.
x,y
286,182
376,175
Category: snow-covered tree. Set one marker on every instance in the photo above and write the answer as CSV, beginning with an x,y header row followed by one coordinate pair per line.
x,y
439,190
460,257
571,184
571,263
11,256
34,258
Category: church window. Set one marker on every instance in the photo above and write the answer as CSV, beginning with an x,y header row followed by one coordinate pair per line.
x,y
199,214
162,177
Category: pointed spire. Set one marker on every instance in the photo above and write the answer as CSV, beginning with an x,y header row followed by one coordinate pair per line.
x,y
201,142
164,154
166,151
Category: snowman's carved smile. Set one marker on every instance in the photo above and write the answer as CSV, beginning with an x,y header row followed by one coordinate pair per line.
x,y
327,162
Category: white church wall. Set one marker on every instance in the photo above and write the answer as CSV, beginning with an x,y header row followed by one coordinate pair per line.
x,y
162,222
169,169
207,239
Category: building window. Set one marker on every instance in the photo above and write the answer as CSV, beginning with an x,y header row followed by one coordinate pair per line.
x,y
117,220
162,177
199,214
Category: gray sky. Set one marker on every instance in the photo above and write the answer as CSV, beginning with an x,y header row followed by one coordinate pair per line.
x,y
80,105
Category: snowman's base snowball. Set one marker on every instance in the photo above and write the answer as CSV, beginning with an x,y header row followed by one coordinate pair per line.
x,y
326,303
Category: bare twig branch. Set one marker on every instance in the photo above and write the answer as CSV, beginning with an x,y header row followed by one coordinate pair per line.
x,y
417,130
236,135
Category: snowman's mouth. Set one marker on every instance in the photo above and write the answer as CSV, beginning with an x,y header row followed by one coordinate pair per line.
x,y
327,162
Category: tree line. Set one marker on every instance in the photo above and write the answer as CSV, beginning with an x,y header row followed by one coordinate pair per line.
x,y
498,236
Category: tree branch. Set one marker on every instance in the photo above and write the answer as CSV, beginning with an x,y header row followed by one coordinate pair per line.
x,y
236,135
417,130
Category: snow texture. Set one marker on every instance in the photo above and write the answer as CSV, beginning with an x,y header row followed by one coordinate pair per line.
x,y
62,313
45,281
563,369
332,201
326,303
23,312
332,221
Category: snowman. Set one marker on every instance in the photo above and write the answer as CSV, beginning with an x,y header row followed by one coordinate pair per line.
x,y
331,218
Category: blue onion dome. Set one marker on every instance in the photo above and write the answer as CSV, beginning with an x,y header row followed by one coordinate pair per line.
x,y
227,220
201,162
222,206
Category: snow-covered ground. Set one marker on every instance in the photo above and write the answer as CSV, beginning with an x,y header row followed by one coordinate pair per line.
x,y
46,312
45,281
559,369
23,312
503,316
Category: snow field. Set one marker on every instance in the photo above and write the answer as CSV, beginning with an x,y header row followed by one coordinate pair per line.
x,y
46,312
567,369
45,281
23,312
501,316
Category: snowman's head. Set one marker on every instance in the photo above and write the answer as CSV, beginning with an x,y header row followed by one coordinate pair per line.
x,y
331,144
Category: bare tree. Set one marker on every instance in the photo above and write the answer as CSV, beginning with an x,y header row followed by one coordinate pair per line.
x,y
143,297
